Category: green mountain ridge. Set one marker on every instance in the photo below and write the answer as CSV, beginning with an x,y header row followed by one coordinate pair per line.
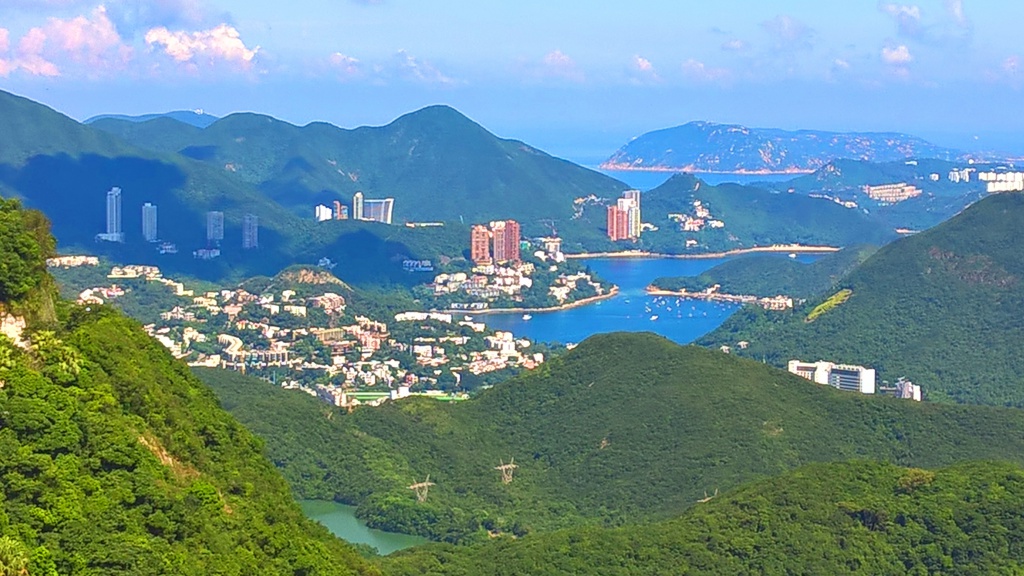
x,y
941,308
625,428
435,162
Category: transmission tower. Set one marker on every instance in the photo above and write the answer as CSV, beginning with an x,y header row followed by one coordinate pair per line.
x,y
507,470
421,489
707,498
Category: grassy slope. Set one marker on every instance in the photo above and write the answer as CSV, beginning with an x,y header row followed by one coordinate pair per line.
x,y
849,518
626,427
942,308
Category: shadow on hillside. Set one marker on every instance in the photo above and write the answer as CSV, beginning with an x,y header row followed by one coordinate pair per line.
x,y
72,193
365,256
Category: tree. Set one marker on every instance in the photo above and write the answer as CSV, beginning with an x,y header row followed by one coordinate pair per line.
x,y
14,557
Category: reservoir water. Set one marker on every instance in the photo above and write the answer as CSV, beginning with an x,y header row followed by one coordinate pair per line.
x,y
632,310
342,522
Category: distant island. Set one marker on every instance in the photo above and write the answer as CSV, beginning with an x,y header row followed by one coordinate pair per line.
x,y
709,147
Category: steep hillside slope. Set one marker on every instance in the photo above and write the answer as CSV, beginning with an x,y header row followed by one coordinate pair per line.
x,y
851,518
625,428
114,459
712,147
942,308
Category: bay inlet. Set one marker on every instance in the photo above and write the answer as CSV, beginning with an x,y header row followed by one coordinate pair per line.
x,y
632,309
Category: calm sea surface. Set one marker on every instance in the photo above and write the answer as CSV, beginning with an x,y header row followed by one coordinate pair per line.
x,y
632,310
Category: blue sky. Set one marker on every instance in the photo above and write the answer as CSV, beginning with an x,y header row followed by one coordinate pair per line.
x,y
577,79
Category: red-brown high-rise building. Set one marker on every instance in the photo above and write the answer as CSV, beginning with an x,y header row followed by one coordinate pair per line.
x,y
480,244
618,224
506,240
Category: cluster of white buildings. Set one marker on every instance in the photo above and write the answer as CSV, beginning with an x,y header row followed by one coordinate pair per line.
x,y
851,378
488,281
1002,181
72,261
892,193
565,284
695,223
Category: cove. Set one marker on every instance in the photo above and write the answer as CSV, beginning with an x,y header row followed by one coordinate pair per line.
x,y
632,310
342,522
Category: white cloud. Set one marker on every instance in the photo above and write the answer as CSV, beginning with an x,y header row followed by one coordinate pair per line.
x,y
734,45
907,17
911,12
642,71
1011,65
897,56
346,65
412,68
956,12
701,72
220,44
789,33
88,45
558,64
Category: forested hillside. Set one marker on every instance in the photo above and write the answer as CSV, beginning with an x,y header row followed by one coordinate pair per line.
x,y
941,308
114,459
626,428
849,518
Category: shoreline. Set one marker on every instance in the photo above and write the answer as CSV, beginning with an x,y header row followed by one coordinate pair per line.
x,y
793,248
614,291
685,170
779,302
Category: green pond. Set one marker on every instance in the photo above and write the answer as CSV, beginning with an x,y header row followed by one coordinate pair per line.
x,y
342,522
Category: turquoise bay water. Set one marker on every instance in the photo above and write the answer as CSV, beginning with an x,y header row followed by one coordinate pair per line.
x,y
632,310
342,522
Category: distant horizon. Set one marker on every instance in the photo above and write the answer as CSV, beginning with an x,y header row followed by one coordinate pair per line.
x,y
576,83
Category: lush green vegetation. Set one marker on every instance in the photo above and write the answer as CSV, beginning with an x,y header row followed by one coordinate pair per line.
x,y
773,274
941,308
114,459
625,428
848,518
753,217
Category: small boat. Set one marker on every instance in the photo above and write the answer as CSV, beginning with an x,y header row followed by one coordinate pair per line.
x,y
792,255
653,318
527,316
